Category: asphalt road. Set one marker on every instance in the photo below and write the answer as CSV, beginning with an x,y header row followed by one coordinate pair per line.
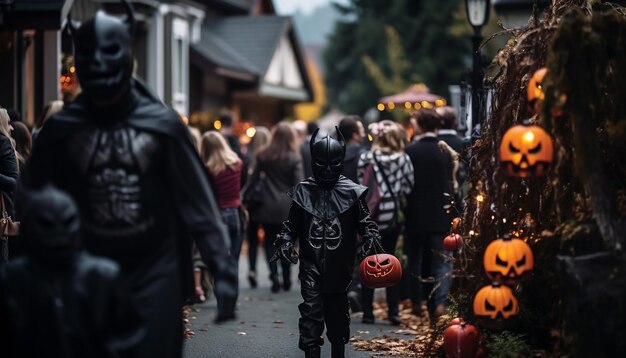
x,y
266,326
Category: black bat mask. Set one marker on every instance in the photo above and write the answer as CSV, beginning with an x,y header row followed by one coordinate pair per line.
x,y
104,60
50,224
327,155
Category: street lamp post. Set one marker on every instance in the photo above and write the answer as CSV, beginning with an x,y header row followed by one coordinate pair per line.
x,y
477,15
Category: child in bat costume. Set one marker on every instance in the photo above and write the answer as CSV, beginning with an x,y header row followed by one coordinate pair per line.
x,y
328,211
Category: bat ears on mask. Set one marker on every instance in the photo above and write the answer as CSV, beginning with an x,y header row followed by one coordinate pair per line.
x,y
338,137
130,20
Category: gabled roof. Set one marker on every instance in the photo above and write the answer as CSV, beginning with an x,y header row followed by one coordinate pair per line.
x,y
220,53
247,44
253,37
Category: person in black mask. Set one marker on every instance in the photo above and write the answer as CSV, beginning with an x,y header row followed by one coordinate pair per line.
x,y
57,300
327,212
141,188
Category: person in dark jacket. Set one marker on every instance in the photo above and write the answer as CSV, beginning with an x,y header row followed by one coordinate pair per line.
x,y
280,165
57,300
8,177
327,212
351,128
427,221
128,162
448,134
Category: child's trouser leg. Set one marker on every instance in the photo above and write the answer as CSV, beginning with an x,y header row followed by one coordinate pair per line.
x,y
337,317
311,310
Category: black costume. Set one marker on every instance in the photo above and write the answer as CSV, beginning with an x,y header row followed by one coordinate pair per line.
x,y
141,188
326,214
58,301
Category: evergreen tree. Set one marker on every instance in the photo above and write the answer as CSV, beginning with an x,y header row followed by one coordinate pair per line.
x,y
434,53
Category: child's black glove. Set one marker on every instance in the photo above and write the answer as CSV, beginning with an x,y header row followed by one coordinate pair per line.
x,y
286,252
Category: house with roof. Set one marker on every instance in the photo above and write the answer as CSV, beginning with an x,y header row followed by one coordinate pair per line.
x,y
249,63
201,57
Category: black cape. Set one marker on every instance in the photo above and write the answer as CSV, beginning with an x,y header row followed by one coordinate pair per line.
x,y
159,268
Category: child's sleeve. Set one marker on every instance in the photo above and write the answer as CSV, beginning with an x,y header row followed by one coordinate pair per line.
x,y
289,229
368,230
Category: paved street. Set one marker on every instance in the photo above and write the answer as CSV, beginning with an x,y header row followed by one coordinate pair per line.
x,y
267,324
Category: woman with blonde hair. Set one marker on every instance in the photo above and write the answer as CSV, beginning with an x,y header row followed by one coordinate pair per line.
x,y
225,167
260,139
393,171
280,165
8,173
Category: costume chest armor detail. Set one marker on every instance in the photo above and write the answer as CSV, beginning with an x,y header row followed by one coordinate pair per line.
x,y
325,232
113,162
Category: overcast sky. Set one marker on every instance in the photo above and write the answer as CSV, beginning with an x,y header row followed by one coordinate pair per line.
x,y
288,7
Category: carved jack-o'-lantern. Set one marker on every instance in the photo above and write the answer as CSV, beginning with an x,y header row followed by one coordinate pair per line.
x,y
526,151
495,301
380,270
508,259
535,91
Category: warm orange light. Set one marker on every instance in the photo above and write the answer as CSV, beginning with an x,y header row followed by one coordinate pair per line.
x,y
417,105
217,124
72,69
381,107
407,105
391,105
250,132
370,138
529,136
480,198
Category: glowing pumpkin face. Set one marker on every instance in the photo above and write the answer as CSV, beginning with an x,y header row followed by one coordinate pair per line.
x,y
534,91
495,301
380,270
526,151
508,259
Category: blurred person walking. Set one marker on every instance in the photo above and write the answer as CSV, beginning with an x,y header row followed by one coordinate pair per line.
x,y
8,176
426,219
280,166
394,176
260,139
351,128
225,169
142,190
23,142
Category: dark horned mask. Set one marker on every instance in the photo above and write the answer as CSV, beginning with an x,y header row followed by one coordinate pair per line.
x,y
327,154
103,55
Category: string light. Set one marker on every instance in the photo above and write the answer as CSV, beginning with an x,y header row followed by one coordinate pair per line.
x,y
250,132
480,198
391,105
407,105
381,107
217,124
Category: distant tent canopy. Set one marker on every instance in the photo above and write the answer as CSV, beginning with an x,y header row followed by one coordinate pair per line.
x,y
415,97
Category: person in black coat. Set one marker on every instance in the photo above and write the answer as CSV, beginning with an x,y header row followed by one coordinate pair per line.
x,y
127,161
8,178
351,128
57,300
448,134
327,212
427,221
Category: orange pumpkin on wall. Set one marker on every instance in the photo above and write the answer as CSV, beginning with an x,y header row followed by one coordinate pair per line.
x,y
525,151
495,301
508,259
